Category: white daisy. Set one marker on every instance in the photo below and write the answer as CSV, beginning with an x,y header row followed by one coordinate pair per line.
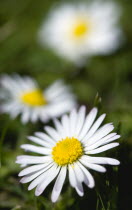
x,y
22,95
77,31
69,147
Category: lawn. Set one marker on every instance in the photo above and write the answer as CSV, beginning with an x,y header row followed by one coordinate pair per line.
x,y
104,81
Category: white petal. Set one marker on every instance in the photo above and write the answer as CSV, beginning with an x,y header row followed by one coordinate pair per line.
x,y
88,179
59,184
78,172
64,97
88,122
73,121
25,115
103,131
56,89
16,112
112,139
72,177
59,128
57,84
21,82
101,160
57,109
105,140
80,120
30,82
39,141
32,169
94,127
30,177
93,166
40,150
43,115
45,137
74,181
65,124
28,159
79,188
50,176
35,114
9,83
23,165
103,148
53,133
43,175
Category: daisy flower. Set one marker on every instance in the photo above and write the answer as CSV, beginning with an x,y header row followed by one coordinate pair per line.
x,y
22,95
70,147
77,31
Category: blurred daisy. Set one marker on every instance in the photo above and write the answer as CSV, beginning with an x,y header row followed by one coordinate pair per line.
x,y
22,95
77,31
69,147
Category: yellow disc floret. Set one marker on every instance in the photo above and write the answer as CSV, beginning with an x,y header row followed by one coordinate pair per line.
x,y
80,28
34,98
67,151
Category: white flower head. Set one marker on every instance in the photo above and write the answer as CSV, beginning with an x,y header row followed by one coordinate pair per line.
x,y
22,95
68,148
77,31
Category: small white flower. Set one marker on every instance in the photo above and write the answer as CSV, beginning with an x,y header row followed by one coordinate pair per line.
x,y
69,147
77,31
22,95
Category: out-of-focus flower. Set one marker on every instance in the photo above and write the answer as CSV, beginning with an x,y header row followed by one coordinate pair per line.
x,y
22,95
70,147
83,30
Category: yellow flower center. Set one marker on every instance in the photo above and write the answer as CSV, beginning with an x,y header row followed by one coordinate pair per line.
x,y
81,28
34,98
67,151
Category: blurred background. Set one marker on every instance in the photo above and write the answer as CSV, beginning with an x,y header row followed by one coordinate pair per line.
x,y
110,76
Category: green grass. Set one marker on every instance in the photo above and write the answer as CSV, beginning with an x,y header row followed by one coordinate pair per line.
x,y
109,76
